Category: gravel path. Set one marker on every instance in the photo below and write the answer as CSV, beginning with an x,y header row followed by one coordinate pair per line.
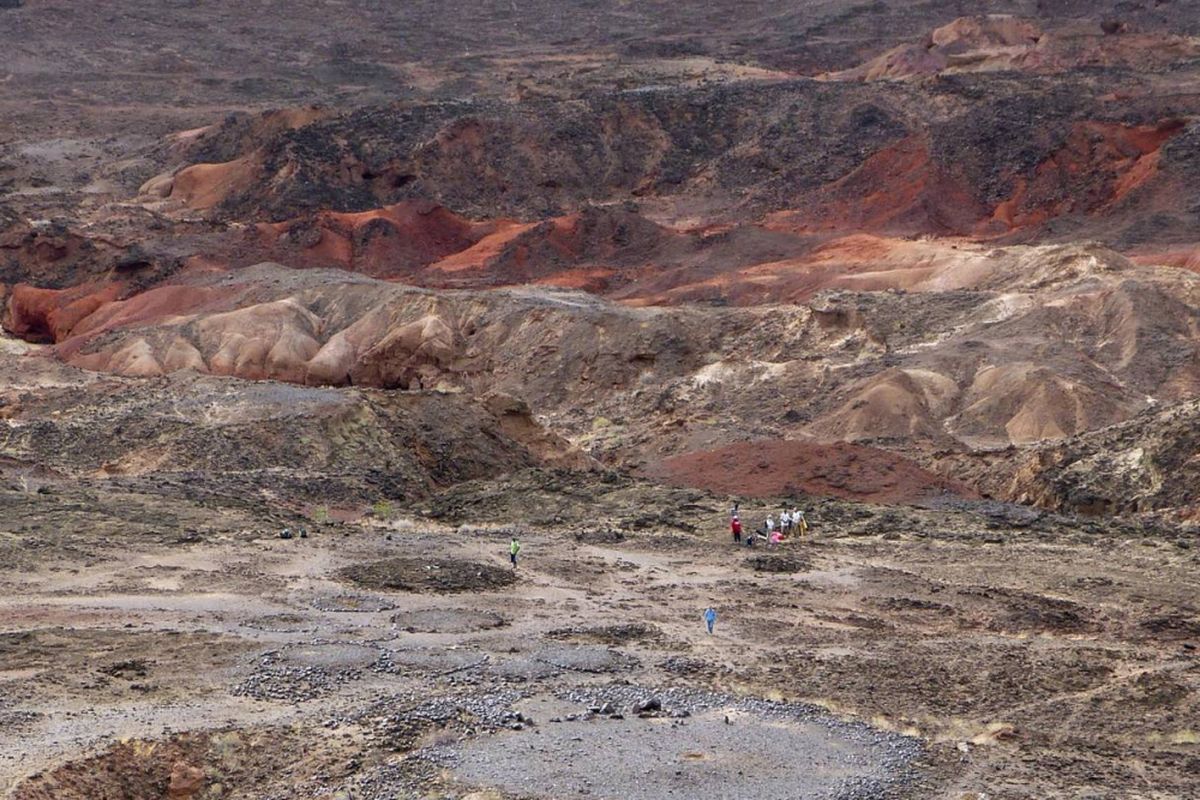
x,y
687,744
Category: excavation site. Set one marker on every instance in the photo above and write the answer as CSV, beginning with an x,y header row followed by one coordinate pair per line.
x,y
600,400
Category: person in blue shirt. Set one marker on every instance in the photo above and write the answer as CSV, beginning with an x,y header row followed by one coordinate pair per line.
x,y
710,617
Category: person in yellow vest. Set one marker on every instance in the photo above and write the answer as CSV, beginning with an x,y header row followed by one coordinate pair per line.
x,y
514,548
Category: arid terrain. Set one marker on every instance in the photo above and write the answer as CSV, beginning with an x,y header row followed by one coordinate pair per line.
x,y
309,309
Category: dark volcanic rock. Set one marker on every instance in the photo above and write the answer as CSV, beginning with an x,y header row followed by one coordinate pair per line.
x,y
429,575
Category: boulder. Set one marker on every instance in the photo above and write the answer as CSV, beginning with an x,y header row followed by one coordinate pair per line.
x,y
186,781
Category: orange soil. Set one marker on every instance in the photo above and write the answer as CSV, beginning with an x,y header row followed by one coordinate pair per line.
x,y
385,242
1098,166
478,256
1187,257
203,186
898,189
51,314
150,307
71,318
777,468
588,279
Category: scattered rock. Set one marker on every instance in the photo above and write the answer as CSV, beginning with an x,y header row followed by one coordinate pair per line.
x,y
440,575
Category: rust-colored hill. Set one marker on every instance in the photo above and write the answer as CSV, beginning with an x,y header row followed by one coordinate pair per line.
x,y
787,468
896,226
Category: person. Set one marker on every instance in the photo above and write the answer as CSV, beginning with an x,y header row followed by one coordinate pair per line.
x,y
514,547
710,618
776,538
800,522
735,525
785,522
770,523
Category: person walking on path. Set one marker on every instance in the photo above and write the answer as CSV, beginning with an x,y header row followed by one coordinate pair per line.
x,y
514,547
735,526
710,618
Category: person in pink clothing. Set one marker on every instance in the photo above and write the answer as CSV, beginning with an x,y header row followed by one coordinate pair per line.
x,y
776,538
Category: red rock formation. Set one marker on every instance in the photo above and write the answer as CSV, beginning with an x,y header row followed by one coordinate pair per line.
x,y
1097,168
775,468
50,315
899,190
390,242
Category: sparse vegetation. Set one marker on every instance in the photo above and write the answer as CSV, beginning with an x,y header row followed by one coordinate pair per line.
x,y
406,280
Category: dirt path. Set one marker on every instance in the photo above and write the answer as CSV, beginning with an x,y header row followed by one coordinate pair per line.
x,y
991,668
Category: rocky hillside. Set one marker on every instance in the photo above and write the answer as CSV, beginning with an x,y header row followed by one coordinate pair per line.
x,y
267,443
966,236
1149,464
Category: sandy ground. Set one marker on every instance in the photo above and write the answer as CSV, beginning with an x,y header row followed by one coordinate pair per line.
x,y
1012,667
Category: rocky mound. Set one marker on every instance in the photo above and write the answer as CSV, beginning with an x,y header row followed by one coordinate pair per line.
x,y
53,255
995,43
1148,464
182,767
429,575
1092,170
1010,370
854,161
588,249
772,468
277,439
395,241
447,620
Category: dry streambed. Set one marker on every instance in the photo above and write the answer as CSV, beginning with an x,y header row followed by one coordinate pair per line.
x,y
638,744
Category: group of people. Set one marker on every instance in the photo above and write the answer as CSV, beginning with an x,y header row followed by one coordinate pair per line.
x,y
790,522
